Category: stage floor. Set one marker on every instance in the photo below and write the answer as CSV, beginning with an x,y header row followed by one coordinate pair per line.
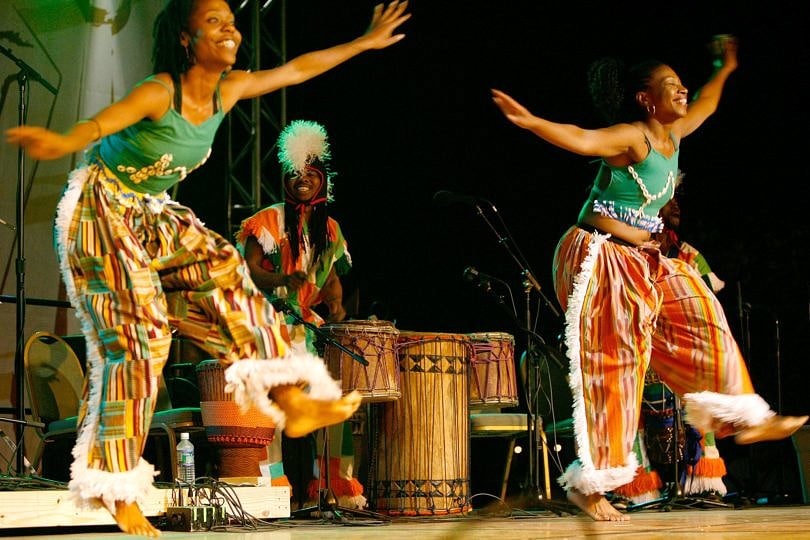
x,y
761,522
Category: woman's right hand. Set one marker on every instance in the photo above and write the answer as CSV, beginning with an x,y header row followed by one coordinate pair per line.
x,y
514,111
38,142
295,280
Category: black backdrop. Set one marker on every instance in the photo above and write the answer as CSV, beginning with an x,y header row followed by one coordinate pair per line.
x,y
417,118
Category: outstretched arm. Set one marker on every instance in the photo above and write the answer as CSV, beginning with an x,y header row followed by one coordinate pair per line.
x,y
380,34
149,100
605,142
707,97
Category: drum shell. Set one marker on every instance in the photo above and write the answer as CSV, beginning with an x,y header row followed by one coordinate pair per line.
x,y
376,341
493,383
423,456
225,424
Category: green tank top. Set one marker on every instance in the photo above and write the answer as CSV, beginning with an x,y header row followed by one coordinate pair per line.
x,y
152,156
634,194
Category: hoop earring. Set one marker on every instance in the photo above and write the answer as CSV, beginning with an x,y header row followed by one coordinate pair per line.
x,y
651,112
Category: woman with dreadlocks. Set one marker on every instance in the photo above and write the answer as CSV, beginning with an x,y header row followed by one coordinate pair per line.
x,y
627,305
137,265
296,252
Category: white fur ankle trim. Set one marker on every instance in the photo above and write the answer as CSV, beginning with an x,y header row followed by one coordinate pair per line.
x,y
588,480
695,485
704,410
251,380
94,488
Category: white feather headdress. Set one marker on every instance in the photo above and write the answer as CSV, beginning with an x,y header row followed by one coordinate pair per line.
x,y
302,143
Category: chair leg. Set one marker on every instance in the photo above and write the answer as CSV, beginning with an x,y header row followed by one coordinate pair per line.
x,y
546,475
172,451
510,451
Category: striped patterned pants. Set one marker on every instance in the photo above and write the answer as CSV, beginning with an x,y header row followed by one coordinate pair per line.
x,y
628,308
135,267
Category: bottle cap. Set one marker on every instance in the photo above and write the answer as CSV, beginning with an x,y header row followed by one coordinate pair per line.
x,y
184,436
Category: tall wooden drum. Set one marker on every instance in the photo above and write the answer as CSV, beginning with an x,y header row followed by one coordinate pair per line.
x,y
423,457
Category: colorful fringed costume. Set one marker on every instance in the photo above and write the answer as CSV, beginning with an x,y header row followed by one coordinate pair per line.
x,y
629,307
267,226
136,266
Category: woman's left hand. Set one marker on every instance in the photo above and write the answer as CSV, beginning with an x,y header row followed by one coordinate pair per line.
x,y
725,50
384,21
336,313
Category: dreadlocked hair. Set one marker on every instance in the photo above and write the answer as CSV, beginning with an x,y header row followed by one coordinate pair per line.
x,y
613,87
317,232
168,55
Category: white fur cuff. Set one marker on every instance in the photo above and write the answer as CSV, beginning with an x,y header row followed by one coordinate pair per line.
x,y
588,480
93,488
251,380
704,410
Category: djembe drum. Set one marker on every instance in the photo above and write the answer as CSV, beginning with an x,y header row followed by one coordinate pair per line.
x,y
241,438
492,370
423,461
376,342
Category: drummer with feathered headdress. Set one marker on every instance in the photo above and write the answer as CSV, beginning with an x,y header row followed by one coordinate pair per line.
x,y
294,250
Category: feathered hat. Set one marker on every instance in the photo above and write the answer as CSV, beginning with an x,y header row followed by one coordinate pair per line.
x,y
303,144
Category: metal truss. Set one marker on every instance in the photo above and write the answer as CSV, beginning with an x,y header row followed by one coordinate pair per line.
x,y
253,172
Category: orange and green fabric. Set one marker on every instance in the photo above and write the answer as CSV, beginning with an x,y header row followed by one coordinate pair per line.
x,y
267,227
628,308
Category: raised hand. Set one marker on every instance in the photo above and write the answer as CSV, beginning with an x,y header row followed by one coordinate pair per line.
x,y
724,49
514,111
384,21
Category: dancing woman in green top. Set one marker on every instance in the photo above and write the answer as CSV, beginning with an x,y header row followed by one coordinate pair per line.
x,y
137,265
627,305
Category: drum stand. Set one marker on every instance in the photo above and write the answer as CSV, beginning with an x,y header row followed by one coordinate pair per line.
x,y
327,505
675,497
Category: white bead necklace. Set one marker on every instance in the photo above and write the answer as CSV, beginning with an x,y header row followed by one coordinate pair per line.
x,y
648,198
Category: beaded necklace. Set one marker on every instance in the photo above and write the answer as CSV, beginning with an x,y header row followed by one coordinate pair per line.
x,y
648,198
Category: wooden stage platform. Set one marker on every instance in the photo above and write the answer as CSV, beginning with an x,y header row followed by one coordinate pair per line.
x,y
46,515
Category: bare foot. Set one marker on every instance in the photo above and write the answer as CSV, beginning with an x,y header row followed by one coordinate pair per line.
x,y
723,430
131,520
596,506
774,428
305,415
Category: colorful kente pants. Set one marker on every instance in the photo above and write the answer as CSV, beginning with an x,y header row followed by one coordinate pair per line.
x,y
628,308
135,267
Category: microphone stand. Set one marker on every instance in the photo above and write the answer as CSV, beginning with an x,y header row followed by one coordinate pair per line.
x,y
327,501
26,72
536,436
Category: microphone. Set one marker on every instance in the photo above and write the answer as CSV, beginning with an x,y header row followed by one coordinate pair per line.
x,y
480,279
445,197
471,274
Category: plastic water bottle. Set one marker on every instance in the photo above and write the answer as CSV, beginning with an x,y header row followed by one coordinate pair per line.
x,y
185,460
